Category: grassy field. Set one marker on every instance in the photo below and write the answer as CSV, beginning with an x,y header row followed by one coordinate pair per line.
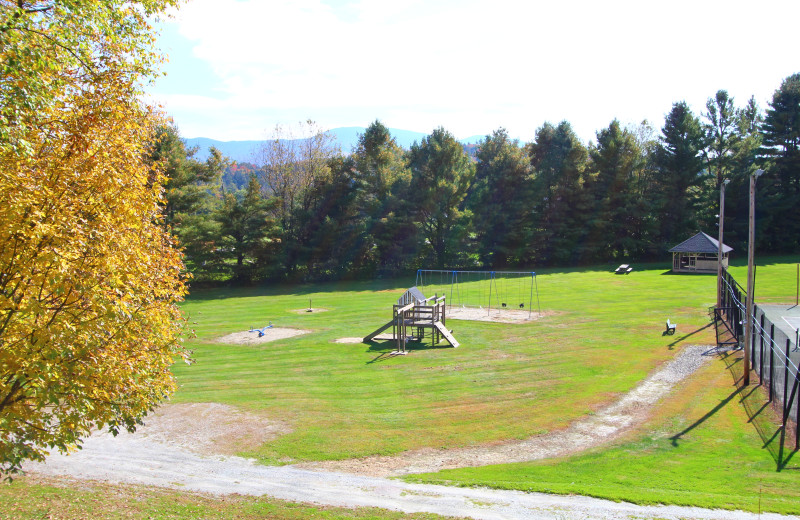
x,y
704,449
713,445
602,334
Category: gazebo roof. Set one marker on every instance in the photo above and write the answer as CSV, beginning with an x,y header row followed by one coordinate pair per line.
x,y
700,243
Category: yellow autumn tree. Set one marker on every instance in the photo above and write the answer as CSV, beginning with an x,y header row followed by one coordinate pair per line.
x,y
89,279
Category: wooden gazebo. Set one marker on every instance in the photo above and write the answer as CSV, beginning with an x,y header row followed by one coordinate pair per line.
x,y
698,255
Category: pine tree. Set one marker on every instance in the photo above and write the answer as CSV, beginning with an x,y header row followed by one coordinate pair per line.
x,y
500,200
441,173
679,169
559,202
618,224
380,172
781,153
245,230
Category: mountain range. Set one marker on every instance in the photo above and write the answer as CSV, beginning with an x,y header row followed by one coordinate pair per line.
x,y
347,138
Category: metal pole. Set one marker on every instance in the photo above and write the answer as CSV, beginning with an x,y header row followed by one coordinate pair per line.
x,y
530,299
491,279
748,319
719,252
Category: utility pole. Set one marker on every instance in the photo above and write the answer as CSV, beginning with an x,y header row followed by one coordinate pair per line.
x,y
748,335
719,252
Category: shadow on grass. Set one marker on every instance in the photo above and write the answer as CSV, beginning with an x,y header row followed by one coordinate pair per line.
x,y
209,292
386,348
704,418
773,436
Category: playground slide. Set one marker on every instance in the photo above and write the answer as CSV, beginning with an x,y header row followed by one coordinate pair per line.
x,y
446,333
375,333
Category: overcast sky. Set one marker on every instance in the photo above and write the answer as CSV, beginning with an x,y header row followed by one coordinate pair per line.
x,y
238,68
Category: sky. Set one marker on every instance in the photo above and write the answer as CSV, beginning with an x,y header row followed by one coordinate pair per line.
x,y
238,68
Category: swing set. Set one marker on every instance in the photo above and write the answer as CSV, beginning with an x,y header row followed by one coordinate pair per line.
x,y
498,290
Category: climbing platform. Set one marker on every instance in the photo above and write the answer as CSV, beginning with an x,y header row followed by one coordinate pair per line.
x,y
412,316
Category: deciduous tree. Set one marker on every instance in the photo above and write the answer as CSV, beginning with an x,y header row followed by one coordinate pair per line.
x,y
89,278
290,166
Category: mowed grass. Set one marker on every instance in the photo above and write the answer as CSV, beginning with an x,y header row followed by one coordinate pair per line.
x,y
602,334
713,444
65,499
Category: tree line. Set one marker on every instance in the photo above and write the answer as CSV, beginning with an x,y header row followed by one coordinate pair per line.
x,y
311,212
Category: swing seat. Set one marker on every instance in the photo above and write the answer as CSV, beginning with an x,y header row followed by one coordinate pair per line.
x,y
504,305
521,305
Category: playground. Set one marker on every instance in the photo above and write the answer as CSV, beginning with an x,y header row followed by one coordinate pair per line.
x,y
597,339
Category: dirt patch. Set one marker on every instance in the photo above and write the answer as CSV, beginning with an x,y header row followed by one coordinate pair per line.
x,y
210,428
495,315
309,310
248,337
349,340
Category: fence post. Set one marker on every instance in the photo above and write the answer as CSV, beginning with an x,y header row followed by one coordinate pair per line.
x,y
771,351
786,375
761,353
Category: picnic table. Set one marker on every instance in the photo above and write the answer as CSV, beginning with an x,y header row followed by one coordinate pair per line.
x,y
623,269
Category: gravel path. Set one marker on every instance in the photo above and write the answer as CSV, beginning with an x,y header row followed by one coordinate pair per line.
x,y
151,461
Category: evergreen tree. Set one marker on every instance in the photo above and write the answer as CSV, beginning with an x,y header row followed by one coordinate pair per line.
x,y
680,168
191,195
559,207
744,162
441,173
499,200
721,129
380,172
618,226
781,153
246,231
330,224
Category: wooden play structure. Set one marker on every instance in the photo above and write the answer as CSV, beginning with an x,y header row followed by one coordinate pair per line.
x,y
412,316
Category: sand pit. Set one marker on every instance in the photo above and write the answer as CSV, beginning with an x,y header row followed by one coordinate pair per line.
x,y
309,310
252,338
495,315
349,340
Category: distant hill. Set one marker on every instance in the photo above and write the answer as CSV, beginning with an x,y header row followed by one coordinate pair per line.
x,y
240,151
243,151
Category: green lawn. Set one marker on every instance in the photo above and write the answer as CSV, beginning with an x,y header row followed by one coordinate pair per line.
x,y
602,334
703,450
712,445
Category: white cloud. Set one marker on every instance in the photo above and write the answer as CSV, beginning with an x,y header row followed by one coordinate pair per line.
x,y
472,66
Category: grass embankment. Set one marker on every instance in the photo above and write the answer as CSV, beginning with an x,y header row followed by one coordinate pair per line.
x,y
602,334
713,444
36,498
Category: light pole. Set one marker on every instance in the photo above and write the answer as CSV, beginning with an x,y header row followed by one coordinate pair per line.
x,y
719,252
748,335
